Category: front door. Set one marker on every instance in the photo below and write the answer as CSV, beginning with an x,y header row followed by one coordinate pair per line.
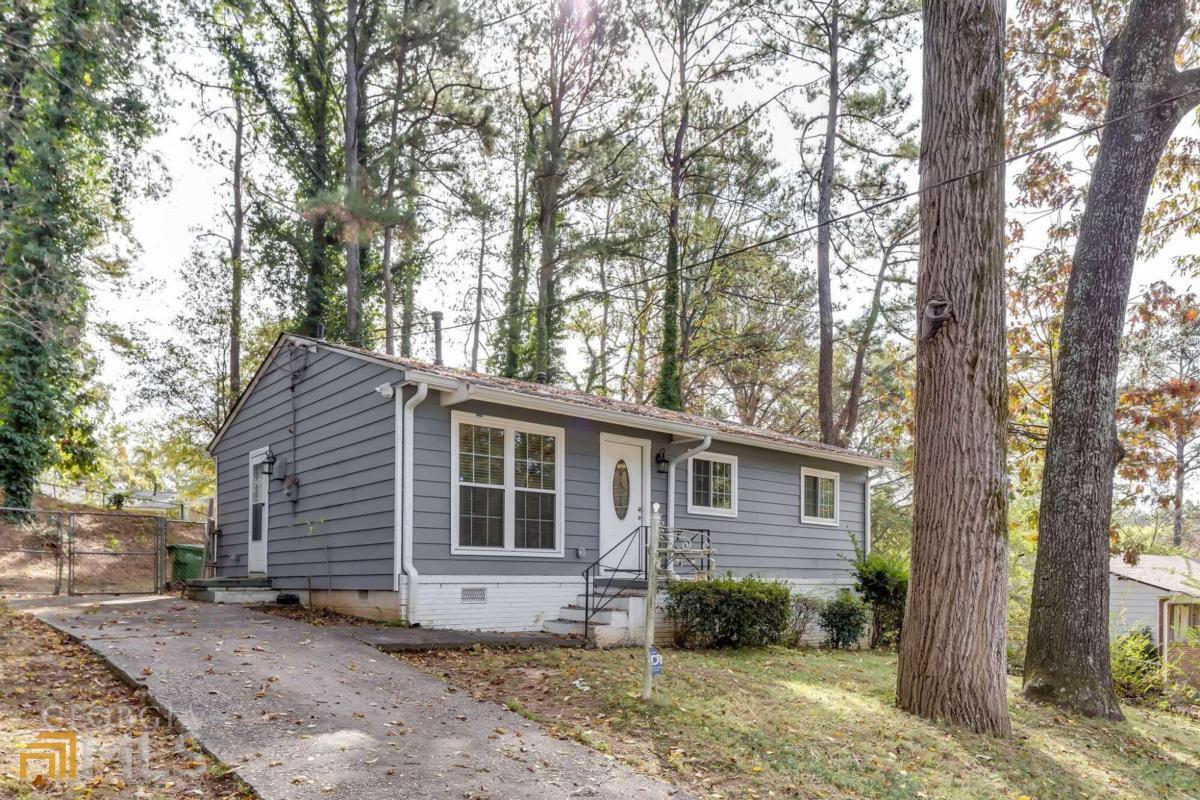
x,y
256,558
623,500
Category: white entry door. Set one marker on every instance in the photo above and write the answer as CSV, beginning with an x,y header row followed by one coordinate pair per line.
x,y
260,486
624,498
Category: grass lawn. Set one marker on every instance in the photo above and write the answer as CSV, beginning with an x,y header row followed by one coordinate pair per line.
x,y
816,724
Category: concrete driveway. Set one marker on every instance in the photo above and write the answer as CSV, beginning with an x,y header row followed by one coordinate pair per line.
x,y
303,712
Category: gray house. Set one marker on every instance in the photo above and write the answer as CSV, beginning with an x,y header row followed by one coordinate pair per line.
x,y
398,489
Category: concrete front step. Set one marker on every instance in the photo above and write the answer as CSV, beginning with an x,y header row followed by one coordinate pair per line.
x,y
564,627
605,616
618,603
243,595
256,582
599,635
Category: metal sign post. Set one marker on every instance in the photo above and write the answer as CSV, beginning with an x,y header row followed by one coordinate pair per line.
x,y
651,599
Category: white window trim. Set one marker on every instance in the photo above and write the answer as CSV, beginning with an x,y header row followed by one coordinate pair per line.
x,y
257,457
709,511
509,550
837,497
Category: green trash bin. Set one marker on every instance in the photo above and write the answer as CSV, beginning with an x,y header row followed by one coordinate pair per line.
x,y
187,561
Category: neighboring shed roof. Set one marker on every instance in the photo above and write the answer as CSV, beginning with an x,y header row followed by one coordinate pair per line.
x,y
1174,574
493,388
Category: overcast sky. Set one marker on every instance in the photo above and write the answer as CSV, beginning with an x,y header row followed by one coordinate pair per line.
x,y
166,227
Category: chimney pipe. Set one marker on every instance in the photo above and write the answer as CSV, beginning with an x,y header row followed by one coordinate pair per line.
x,y
437,337
541,377
320,331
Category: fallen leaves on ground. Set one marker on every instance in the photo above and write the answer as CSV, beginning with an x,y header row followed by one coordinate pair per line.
x,y
126,750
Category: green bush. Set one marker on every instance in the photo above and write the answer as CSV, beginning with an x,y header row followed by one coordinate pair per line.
x,y
881,580
729,612
1136,667
843,620
806,610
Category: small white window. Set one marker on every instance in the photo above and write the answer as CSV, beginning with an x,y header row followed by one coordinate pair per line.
x,y
819,496
712,485
507,492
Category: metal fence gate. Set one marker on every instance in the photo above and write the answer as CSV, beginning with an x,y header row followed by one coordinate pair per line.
x,y
88,552
32,550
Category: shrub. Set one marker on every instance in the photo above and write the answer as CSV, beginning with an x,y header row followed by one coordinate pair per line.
x,y
881,580
1136,667
806,610
728,612
843,620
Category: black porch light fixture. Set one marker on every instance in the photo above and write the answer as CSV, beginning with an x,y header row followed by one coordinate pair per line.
x,y
269,460
660,461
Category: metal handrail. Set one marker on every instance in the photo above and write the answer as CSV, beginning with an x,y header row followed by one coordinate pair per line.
x,y
691,546
592,572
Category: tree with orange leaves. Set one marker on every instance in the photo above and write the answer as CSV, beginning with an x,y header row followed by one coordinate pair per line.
x,y
1159,408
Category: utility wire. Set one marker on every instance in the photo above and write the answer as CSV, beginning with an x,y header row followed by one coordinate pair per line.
x,y
841,218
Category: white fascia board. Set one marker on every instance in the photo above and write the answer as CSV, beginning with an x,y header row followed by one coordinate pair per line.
x,y
434,381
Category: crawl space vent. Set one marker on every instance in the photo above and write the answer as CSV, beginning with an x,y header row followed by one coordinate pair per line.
x,y
474,594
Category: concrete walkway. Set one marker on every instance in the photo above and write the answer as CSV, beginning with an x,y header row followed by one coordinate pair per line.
x,y
303,712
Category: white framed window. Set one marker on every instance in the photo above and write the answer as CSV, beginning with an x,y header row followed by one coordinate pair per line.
x,y
819,492
712,485
506,487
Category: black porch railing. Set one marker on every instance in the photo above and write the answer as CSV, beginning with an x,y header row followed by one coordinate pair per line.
x,y
682,552
596,599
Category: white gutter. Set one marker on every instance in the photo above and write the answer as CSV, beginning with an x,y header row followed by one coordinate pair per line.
x,y
686,454
410,569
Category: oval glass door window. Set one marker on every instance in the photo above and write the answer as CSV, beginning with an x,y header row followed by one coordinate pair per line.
x,y
621,489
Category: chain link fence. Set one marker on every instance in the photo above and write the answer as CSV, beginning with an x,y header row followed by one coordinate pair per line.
x,y
88,552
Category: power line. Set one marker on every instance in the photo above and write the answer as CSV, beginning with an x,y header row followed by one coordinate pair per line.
x,y
841,218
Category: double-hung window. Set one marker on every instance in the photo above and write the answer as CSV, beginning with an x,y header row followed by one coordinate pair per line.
x,y
507,492
712,485
818,496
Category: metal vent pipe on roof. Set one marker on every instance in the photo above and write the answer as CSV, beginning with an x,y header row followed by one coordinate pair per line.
x,y
437,337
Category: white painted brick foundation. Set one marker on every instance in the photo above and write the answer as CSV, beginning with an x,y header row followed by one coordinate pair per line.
x,y
512,603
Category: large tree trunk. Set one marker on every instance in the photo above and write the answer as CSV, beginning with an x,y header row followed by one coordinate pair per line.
x,y
518,277
315,288
829,434
351,232
549,184
239,216
1177,500
1067,660
389,295
669,393
544,319
235,254
952,665
478,322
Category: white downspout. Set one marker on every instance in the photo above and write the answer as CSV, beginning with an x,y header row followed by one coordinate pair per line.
x,y
686,454
410,569
867,515
397,395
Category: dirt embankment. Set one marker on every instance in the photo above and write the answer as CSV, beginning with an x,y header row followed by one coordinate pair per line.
x,y
114,551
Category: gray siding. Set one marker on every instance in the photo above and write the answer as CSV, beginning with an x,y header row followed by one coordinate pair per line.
x,y
340,532
766,537
431,501
1132,606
